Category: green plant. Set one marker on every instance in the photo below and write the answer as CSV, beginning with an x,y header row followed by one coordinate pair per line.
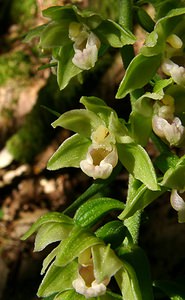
x,y
92,253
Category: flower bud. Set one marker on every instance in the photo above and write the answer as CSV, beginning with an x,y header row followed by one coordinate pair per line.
x,y
174,41
178,204
86,50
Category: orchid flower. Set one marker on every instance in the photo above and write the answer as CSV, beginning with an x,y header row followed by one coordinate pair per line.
x,y
174,49
165,124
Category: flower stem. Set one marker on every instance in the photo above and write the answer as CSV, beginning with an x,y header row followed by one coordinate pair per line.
x,y
96,187
125,16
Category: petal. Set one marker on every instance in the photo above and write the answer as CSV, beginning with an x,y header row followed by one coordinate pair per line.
x,y
179,205
175,71
158,125
95,290
176,201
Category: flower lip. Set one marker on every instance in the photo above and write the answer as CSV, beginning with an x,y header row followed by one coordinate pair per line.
x,y
99,162
96,289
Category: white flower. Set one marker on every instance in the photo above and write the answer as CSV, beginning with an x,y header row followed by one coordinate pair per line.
x,y
175,71
102,155
178,204
171,131
174,50
99,162
93,275
86,46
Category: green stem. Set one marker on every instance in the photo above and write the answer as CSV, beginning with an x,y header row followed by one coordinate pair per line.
x,y
126,20
125,16
132,223
127,53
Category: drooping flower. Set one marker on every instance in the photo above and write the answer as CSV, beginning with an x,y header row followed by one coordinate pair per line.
x,y
101,137
165,124
73,38
173,131
92,281
173,64
178,204
86,46
102,155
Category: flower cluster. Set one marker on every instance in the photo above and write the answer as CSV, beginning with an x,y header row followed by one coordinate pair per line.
x,y
81,262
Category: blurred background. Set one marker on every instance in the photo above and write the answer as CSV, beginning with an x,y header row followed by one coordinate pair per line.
x,y
27,140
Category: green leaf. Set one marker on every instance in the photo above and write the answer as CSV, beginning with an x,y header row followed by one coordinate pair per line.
x,y
109,116
174,290
174,176
106,263
58,279
70,153
137,258
81,121
111,296
140,198
128,283
73,14
71,295
161,84
112,233
141,118
50,233
93,210
133,78
55,35
144,19
77,241
49,258
136,160
50,297
113,34
35,32
66,70
98,106
60,13
51,217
